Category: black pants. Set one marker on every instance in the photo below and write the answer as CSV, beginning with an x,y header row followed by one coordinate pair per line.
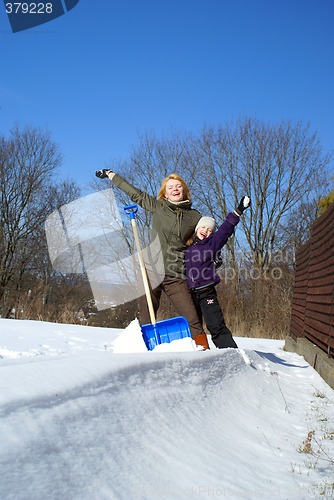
x,y
209,310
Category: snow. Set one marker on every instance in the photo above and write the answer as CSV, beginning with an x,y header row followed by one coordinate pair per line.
x,y
89,413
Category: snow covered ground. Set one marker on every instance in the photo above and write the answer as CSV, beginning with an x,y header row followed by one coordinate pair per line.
x,y
88,413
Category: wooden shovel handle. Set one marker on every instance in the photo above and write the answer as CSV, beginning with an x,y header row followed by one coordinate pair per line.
x,y
143,272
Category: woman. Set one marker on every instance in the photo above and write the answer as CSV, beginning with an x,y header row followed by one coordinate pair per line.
x,y
174,221
201,273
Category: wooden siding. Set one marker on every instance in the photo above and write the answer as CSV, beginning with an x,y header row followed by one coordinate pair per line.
x,y
313,299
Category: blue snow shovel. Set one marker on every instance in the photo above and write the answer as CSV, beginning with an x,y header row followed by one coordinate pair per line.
x,y
156,332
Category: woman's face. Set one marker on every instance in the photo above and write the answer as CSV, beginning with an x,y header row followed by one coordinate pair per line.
x,y
174,190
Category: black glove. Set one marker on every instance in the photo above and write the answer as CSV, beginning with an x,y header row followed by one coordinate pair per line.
x,y
243,205
102,174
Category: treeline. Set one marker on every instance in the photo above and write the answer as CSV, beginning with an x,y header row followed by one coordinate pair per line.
x,y
282,167
29,191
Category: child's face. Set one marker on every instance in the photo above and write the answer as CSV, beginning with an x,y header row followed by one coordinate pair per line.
x,y
174,190
203,232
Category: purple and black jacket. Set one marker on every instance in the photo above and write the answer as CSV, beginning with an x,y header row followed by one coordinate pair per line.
x,y
200,256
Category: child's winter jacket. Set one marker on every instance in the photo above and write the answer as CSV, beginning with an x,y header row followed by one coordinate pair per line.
x,y
200,256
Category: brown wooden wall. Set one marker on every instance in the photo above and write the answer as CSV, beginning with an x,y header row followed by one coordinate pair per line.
x,y
313,299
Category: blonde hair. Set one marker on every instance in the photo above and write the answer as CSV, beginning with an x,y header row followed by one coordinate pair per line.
x,y
162,190
191,240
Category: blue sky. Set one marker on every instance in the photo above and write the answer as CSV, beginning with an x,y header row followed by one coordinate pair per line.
x,y
107,70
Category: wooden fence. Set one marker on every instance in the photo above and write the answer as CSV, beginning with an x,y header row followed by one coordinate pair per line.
x,y
313,300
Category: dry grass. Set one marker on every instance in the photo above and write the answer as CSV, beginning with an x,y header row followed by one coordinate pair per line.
x,y
306,447
257,310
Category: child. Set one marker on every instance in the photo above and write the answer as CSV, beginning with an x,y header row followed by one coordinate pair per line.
x,y
202,276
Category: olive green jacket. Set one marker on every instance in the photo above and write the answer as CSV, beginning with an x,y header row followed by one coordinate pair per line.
x,y
173,222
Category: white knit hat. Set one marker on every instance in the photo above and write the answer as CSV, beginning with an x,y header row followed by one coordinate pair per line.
x,y
208,222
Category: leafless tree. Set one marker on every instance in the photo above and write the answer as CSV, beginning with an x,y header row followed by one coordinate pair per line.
x,y
281,167
28,162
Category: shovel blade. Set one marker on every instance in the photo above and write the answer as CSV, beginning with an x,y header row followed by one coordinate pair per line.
x,y
165,331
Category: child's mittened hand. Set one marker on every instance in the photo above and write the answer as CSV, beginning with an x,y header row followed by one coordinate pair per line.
x,y
243,205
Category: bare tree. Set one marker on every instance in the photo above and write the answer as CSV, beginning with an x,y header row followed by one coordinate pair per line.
x,y
28,159
209,157
281,167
